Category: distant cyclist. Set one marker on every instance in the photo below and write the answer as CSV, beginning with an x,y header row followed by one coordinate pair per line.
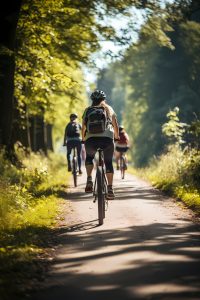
x,y
99,128
72,138
121,146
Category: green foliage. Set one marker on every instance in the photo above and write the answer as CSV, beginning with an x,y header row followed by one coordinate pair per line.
x,y
191,168
194,130
174,129
160,71
176,173
29,208
53,40
156,28
65,104
43,71
23,190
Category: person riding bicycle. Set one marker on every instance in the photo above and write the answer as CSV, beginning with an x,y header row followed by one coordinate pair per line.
x,y
99,129
72,139
121,146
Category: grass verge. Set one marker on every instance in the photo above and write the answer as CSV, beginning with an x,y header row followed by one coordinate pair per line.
x,y
29,212
176,173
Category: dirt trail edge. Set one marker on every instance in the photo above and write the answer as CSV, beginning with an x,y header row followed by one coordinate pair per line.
x,y
148,248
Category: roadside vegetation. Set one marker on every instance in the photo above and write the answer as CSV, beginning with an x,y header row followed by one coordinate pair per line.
x,y
177,170
44,49
176,173
30,205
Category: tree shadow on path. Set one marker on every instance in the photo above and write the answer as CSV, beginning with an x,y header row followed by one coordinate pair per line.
x,y
159,261
175,264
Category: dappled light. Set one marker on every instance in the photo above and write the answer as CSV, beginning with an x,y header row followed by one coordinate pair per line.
x,y
155,257
133,262
100,150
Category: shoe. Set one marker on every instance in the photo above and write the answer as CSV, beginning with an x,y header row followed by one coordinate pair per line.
x,y
110,194
80,172
89,186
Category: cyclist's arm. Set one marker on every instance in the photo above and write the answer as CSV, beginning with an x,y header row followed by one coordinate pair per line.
x,y
128,140
65,136
115,126
127,137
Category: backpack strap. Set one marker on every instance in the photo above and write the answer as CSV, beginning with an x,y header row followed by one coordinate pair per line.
x,y
109,121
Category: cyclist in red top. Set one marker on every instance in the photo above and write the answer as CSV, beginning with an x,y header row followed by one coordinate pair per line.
x,y
121,146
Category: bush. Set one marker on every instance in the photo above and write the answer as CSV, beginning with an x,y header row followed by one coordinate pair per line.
x,y
191,169
23,190
178,173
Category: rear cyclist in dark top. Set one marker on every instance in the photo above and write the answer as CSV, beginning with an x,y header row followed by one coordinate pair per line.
x,y
104,140
72,138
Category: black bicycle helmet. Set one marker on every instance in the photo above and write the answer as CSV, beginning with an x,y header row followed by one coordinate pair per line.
x,y
73,116
98,95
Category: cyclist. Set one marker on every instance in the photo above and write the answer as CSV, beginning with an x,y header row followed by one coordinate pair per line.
x,y
99,128
72,139
121,146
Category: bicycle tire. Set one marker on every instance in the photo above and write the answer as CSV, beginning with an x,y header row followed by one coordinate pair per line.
x,y
74,170
122,167
104,193
100,195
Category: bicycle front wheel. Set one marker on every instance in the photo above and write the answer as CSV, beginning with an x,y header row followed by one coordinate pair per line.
x,y
74,171
100,195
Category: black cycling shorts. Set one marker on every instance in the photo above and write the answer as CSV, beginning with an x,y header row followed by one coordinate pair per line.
x,y
121,149
105,143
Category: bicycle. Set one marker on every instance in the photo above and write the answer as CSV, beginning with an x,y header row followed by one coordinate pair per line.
x,y
74,166
100,187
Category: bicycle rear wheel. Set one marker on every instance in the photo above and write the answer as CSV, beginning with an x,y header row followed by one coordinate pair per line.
x,y
122,167
100,195
74,170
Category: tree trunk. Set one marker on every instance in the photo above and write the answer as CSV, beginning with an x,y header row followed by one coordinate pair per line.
x,y
37,134
49,128
9,14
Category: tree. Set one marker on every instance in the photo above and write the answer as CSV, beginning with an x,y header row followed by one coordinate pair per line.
x,y
160,71
51,35
9,14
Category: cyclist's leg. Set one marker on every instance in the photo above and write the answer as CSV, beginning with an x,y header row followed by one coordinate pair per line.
x,y
108,147
69,150
117,157
120,157
90,148
125,157
79,148
126,161
108,150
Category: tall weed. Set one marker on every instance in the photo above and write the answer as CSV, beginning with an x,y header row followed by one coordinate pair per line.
x,y
177,172
24,191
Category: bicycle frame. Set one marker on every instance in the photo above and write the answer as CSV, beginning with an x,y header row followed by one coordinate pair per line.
x,y
100,163
100,187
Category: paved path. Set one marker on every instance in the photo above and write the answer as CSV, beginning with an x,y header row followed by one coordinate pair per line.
x,y
148,248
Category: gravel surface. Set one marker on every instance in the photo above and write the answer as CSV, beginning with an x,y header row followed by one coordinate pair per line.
x,y
147,248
